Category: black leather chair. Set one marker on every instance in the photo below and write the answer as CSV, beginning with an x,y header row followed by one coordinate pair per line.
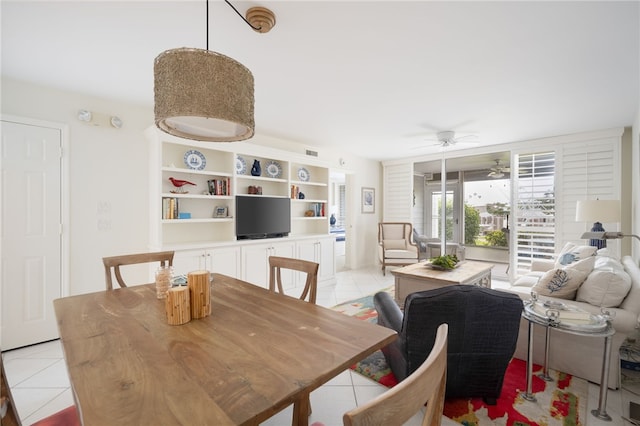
x,y
483,331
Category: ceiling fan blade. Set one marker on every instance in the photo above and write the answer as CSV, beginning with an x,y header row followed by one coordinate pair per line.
x,y
436,143
459,138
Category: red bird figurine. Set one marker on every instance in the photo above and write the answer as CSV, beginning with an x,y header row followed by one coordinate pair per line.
x,y
179,183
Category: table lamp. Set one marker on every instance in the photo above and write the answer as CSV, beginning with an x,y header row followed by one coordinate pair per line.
x,y
606,235
598,211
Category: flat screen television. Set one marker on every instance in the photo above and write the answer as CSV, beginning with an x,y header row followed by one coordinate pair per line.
x,y
262,217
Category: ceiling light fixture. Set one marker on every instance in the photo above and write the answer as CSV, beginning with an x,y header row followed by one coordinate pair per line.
x,y
98,119
85,115
204,95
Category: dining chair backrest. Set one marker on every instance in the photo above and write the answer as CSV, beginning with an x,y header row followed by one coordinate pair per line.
x,y
406,399
8,414
115,262
277,263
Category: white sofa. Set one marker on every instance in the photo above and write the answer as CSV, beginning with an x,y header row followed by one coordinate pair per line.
x,y
611,284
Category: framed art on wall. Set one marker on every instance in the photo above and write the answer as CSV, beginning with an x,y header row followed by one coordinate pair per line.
x,y
368,200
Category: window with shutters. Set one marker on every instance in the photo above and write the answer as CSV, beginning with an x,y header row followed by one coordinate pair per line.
x,y
536,209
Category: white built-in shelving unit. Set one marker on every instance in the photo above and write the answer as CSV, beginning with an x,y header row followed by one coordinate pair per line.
x,y
200,226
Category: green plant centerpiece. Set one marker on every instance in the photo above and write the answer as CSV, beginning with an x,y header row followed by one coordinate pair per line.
x,y
448,261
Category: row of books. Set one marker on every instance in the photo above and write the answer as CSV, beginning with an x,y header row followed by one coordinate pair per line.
x,y
219,186
170,208
317,208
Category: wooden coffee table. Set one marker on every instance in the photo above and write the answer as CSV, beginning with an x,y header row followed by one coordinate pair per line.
x,y
419,277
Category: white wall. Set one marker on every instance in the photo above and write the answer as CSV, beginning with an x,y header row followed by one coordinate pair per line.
x,y
108,172
107,176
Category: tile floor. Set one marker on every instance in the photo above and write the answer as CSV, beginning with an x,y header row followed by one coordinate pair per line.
x,y
38,378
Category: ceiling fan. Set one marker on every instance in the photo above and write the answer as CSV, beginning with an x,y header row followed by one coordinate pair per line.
x,y
498,170
447,138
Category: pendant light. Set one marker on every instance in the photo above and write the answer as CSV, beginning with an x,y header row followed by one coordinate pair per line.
x,y
204,95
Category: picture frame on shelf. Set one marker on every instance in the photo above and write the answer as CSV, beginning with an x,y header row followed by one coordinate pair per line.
x,y
221,211
368,200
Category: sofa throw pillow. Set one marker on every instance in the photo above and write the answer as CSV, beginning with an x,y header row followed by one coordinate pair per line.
x,y
572,253
395,244
605,287
561,283
584,265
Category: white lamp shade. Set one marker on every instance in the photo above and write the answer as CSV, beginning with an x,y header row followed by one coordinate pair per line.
x,y
603,211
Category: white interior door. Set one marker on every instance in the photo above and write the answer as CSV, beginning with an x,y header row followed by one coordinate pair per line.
x,y
31,233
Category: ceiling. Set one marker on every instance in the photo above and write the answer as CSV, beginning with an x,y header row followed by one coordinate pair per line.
x,y
377,79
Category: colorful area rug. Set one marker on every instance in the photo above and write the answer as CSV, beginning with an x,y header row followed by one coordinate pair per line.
x,y
561,402
374,366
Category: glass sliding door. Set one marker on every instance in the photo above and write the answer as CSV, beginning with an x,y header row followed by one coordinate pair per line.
x,y
434,207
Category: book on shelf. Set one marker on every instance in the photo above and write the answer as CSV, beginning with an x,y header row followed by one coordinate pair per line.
x,y
318,209
219,186
170,208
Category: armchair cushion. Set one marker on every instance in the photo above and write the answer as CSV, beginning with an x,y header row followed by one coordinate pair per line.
x,y
395,244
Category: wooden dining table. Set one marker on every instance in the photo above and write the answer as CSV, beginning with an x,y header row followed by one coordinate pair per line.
x,y
257,353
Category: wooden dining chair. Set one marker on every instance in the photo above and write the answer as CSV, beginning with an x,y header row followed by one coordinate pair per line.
x,y
115,262
277,263
403,401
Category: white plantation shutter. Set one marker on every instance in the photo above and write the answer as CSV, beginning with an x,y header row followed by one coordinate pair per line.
x,y
398,193
535,209
587,170
584,170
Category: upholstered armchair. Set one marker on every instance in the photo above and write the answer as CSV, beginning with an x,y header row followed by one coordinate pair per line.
x,y
426,245
431,247
395,244
483,331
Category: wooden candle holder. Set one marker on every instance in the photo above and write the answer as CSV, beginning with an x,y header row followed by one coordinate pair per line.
x,y
199,283
177,306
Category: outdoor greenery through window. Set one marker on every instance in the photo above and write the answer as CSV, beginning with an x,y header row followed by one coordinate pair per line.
x,y
486,212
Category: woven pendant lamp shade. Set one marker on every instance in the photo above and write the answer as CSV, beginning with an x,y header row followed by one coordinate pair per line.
x,y
203,95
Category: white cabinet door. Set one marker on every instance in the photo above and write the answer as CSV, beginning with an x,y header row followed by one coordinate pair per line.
x,y
222,260
327,259
225,260
284,249
321,251
255,266
255,262
185,261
